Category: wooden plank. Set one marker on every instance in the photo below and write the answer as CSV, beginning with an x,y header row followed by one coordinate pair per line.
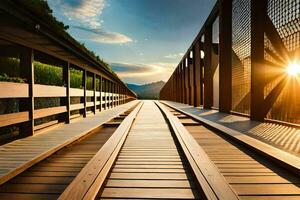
x,y
14,90
146,176
49,91
286,160
87,184
89,93
13,118
209,178
44,112
166,193
75,92
76,106
148,183
58,138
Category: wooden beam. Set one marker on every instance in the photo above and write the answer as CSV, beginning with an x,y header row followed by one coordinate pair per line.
x,y
258,18
101,90
95,97
27,71
84,96
66,78
225,38
208,76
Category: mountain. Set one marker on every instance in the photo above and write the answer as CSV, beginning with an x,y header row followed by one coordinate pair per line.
x,y
147,91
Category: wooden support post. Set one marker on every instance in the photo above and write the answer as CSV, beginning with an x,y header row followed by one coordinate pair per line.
x,y
27,71
258,18
201,74
118,95
104,92
84,88
100,90
197,74
66,78
95,90
187,80
225,84
109,94
192,76
183,82
208,76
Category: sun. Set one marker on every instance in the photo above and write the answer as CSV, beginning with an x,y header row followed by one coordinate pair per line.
x,y
293,69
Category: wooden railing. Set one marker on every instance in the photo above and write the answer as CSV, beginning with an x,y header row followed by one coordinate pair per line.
x,y
102,100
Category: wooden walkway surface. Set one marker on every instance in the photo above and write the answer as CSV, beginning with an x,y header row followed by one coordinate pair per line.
x,y
282,145
17,156
153,152
150,163
252,177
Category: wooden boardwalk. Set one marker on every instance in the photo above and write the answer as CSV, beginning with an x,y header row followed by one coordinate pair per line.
x,y
150,164
19,155
250,176
281,136
152,151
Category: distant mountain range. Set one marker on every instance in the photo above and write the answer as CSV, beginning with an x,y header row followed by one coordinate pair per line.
x,y
147,91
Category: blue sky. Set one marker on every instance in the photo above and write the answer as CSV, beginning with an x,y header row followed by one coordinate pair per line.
x,y
143,40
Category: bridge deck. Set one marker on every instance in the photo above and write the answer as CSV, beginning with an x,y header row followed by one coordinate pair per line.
x,y
251,176
150,163
19,155
279,142
154,152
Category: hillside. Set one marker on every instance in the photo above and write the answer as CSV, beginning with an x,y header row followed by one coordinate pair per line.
x,y
147,91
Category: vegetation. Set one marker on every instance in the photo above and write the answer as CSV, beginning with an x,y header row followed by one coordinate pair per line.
x,y
5,77
48,74
43,13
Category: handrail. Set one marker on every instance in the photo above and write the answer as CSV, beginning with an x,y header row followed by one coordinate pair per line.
x,y
90,179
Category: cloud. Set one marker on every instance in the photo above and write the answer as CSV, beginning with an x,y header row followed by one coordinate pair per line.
x,y
143,73
101,36
173,56
85,11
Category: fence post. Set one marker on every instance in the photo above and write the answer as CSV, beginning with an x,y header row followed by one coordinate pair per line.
x,y
95,90
66,78
26,64
258,17
100,90
225,38
208,78
84,96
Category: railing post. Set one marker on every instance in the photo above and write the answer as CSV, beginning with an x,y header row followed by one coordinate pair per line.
x,y
100,90
208,77
27,71
187,80
84,96
191,76
66,78
105,94
258,17
225,36
95,90
197,74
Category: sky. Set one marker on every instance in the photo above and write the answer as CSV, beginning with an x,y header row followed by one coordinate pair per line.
x,y
143,40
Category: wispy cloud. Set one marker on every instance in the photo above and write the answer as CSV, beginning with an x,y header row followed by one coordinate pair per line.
x,y
86,14
143,73
101,36
173,56
85,11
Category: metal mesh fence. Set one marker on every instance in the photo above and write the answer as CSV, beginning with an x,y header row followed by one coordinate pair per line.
x,y
241,55
285,17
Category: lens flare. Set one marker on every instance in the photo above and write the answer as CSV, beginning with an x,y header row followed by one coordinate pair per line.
x,y
293,69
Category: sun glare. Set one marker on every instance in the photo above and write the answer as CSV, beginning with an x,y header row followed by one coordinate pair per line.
x,y
293,69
